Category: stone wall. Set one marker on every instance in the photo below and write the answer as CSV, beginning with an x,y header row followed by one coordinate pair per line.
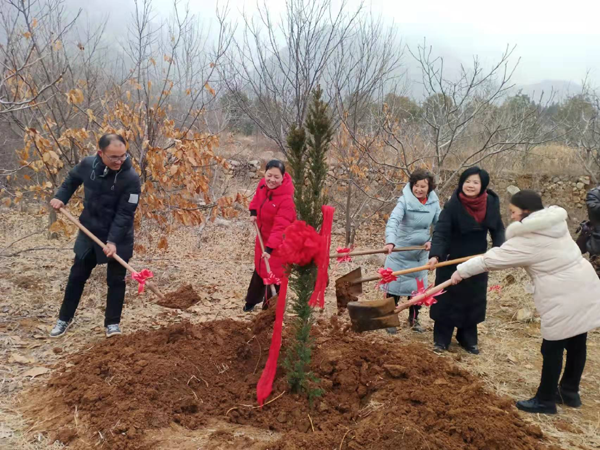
x,y
568,192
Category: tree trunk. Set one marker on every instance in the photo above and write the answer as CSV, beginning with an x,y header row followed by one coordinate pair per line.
x,y
52,217
348,212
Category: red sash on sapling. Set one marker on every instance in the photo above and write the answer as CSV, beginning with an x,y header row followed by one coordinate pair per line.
x,y
301,246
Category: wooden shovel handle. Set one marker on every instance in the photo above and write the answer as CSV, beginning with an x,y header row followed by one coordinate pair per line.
x,y
116,257
376,251
267,265
427,293
417,269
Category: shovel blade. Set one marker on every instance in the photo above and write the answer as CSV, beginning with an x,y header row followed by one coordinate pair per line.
x,y
371,309
345,291
373,315
272,301
376,323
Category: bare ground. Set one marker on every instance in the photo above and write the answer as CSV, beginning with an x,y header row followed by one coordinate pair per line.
x,y
217,262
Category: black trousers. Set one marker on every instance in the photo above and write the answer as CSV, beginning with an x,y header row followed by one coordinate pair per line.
x,y
413,311
80,272
442,334
552,351
258,291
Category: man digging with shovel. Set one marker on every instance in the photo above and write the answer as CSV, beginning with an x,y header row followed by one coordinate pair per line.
x,y
112,190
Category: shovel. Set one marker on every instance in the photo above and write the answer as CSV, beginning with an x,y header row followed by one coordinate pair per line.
x,y
267,265
376,251
348,287
428,293
117,258
379,314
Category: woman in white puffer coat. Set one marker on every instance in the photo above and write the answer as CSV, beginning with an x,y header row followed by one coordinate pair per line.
x,y
567,293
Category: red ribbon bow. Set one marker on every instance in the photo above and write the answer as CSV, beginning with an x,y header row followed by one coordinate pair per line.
x,y
387,276
496,288
344,258
302,245
271,279
141,278
421,289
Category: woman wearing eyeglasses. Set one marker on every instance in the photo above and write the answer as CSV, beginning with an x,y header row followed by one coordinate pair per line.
x,y
112,190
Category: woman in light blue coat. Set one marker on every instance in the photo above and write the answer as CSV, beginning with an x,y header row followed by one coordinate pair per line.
x,y
410,224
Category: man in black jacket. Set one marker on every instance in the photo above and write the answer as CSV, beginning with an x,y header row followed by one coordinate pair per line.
x,y
111,195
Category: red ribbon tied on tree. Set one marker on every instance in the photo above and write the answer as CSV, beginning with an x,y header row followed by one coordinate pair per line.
x,y
387,276
346,257
141,278
271,279
421,289
301,245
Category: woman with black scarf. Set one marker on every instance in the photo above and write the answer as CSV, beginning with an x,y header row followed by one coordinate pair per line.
x,y
461,231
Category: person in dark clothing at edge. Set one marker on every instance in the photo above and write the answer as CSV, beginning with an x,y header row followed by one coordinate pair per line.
x,y
273,209
112,192
589,240
462,230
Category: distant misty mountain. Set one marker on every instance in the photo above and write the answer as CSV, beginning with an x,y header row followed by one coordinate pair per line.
x,y
558,89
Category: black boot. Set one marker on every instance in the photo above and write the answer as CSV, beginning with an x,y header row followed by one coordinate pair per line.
x,y
413,319
439,348
536,406
567,398
472,349
415,325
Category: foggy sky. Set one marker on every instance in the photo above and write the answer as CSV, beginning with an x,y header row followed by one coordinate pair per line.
x,y
555,40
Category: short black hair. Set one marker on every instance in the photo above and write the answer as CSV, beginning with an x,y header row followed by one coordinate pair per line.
x,y
276,163
527,200
108,139
422,174
483,176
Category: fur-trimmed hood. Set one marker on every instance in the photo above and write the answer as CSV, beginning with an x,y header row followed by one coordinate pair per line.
x,y
551,221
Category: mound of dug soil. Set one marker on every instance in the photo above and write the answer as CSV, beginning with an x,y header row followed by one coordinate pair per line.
x,y
183,298
377,396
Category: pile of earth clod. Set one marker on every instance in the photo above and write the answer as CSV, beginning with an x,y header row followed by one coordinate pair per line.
x,y
183,298
376,396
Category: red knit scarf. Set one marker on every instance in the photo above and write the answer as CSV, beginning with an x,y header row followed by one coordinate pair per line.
x,y
475,206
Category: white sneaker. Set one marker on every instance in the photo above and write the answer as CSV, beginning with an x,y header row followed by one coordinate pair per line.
x,y
60,328
113,330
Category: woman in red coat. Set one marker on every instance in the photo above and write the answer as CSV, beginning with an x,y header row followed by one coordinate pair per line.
x,y
273,209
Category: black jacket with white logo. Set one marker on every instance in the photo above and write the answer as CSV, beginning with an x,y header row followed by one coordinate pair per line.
x,y
110,200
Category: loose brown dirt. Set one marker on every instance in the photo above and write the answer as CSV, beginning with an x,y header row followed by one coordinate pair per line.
x,y
377,396
183,298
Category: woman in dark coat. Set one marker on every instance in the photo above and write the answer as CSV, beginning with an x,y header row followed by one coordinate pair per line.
x,y
462,230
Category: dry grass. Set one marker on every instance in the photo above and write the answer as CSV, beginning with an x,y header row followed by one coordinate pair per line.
x,y
548,159
247,147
